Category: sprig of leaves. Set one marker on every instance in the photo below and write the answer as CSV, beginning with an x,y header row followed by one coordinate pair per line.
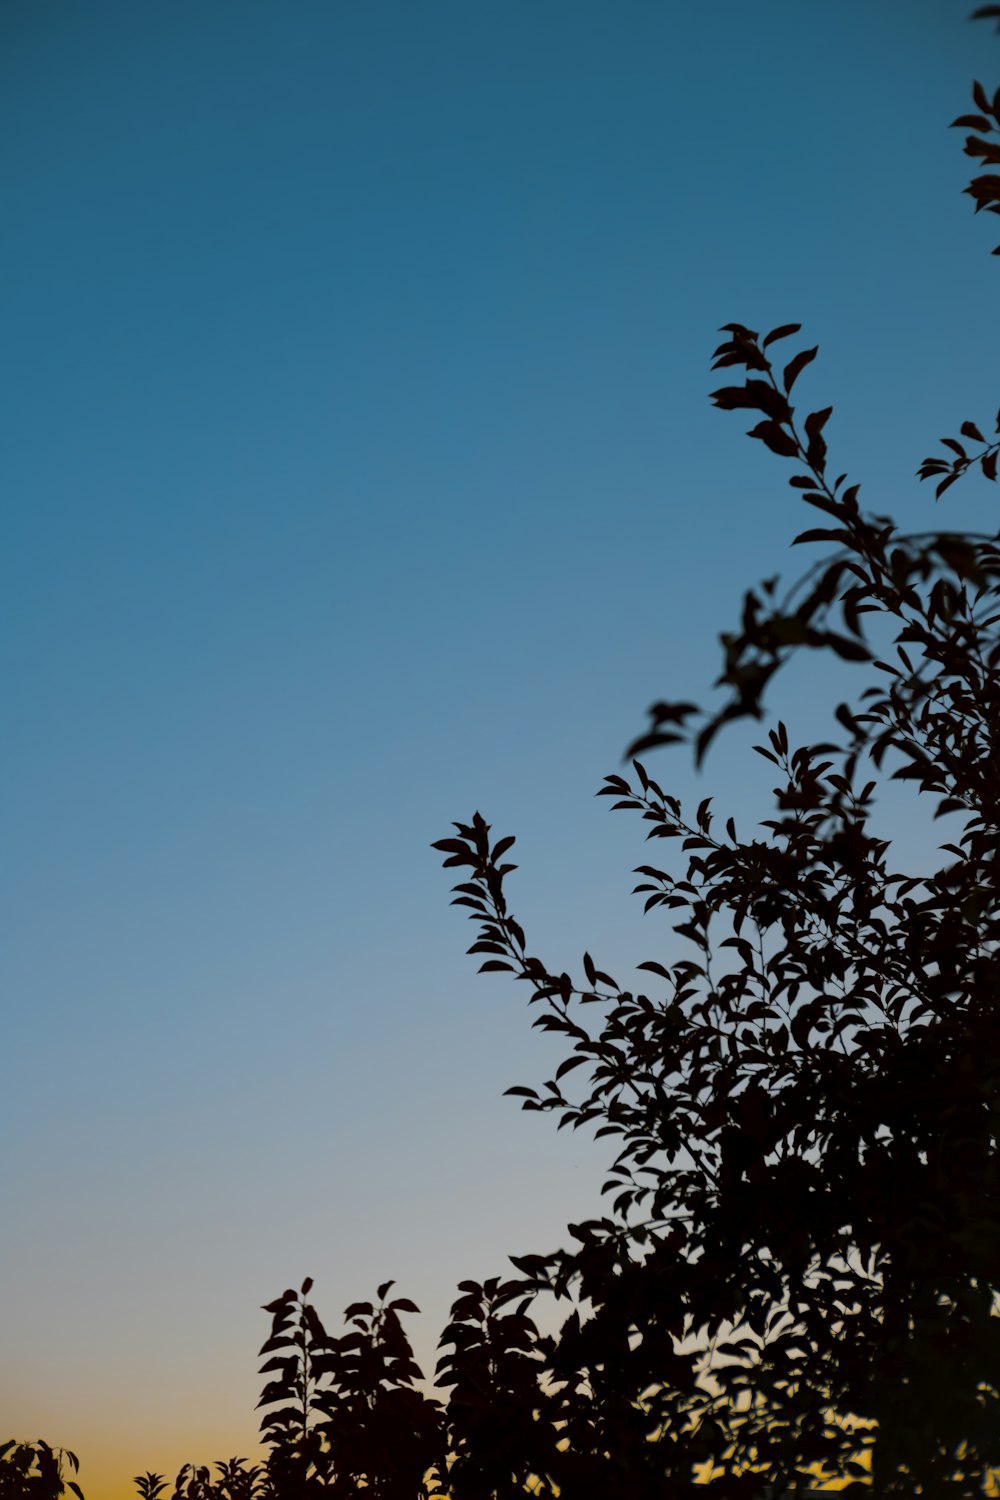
x,y
952,468
984,190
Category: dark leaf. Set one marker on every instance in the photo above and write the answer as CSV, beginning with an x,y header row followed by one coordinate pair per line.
x,y
795,366
780,333
776,438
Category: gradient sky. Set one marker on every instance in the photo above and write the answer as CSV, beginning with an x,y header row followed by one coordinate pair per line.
x,y
359,472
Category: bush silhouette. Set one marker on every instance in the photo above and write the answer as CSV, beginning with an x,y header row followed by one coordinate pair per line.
x,y
36,1471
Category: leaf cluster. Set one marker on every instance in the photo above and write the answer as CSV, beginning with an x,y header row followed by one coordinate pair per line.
x,y
984,189
35,1471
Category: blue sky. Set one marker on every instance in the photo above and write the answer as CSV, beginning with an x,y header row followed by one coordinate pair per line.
x,y
359,472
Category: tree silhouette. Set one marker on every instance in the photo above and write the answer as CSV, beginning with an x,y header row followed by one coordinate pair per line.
x,y
800,1268
798,1273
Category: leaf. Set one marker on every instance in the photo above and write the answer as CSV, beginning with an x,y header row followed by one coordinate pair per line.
x,y
655,968
795,366
279,1302
783,332
824,534
288,1416
653,741
755,395
816,421
732,398
275,1390
816,451
776,438
568,1065
665,713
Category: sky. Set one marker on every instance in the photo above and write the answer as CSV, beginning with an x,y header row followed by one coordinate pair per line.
x,y
358,473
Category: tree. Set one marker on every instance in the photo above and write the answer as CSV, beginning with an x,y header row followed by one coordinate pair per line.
x,y
798,1274
799,1270
801,1265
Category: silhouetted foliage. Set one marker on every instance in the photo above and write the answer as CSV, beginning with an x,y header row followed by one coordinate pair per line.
x,y
799,1269
984,190
500,1431
348,1412
149,1486
34,1471
235,1480
801,1263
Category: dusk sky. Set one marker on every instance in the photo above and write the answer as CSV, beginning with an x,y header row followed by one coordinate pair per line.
x,y
359,472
